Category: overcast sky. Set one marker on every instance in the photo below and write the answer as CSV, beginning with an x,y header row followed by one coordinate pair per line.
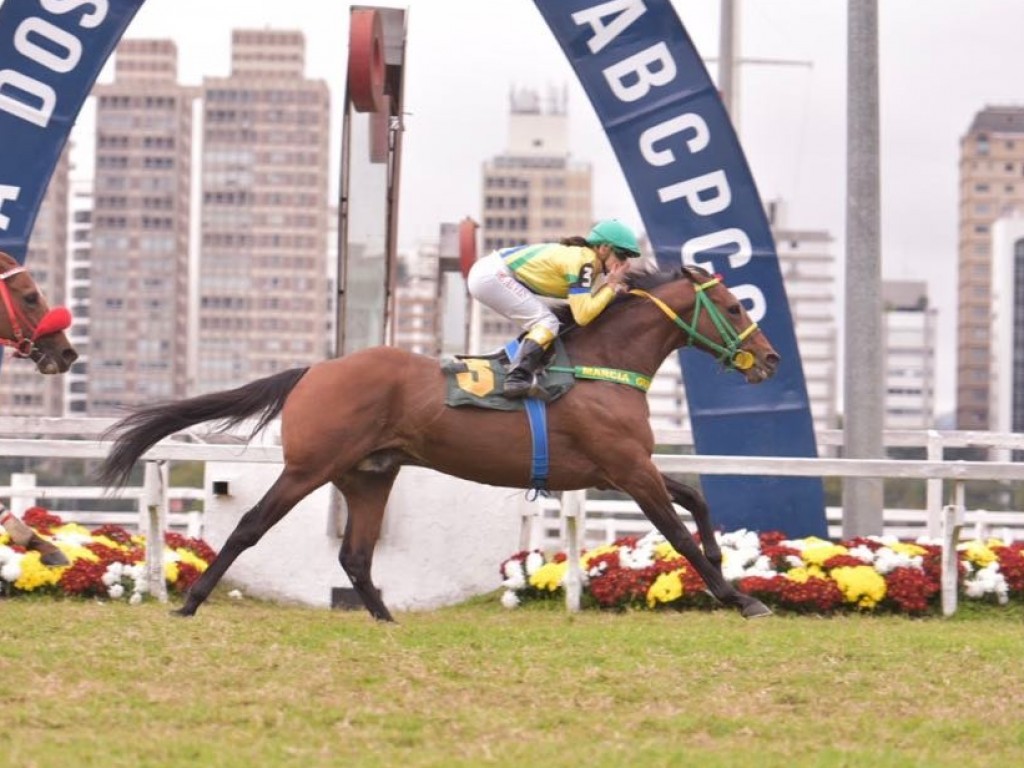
x,y
940,62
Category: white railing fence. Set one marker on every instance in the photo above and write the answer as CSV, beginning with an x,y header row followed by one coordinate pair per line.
x,y
82,438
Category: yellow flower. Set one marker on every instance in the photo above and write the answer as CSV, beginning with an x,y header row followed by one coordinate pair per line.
x,y
187,556
860,584
72,529
907,548
549,576
35,575
666,588
77,552
665,551
171,571
108,542
5,538
801,575
978,553
817,551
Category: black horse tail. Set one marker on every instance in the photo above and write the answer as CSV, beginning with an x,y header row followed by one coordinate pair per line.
x,y
141,430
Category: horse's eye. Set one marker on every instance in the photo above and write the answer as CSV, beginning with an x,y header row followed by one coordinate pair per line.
x,y
734,309
32,298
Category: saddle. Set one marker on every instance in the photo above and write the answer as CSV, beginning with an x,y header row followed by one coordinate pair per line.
x,y
478,380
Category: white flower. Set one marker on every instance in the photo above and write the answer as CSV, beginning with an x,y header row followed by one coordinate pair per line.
x,y
636,558
11,570
887,560
110,576
864,553
510,599
235,594
514,576
6,553
534,560
794,562
141,586
116,592
135,599
988,581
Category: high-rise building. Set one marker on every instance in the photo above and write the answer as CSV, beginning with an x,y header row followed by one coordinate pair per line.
x,y
23,391
79,292
262,287
1007,373
140,231
808,270
534,192
991,186
910,331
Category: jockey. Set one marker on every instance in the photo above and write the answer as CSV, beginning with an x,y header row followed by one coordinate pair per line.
x,y
510,281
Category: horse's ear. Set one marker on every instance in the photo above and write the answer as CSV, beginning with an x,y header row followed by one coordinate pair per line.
x,y
56,320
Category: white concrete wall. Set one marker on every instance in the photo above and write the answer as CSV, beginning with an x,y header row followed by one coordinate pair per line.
x,y
443,539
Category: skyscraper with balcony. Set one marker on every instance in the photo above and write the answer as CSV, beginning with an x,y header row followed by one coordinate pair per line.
x,y
262,287
140,230
23,391
991,187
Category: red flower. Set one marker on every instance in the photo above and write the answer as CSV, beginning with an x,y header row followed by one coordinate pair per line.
x,y
84,577
1011,565
42,520
114,533
197,547
841,561
909,590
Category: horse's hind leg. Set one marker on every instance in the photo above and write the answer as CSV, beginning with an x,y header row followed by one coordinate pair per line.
x,y
366,494
690,498
287,491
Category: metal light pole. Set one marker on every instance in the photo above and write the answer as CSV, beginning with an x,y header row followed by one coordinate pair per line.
x,y
864,393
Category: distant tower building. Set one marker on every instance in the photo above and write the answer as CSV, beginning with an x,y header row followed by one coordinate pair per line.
x,y
140,231
1007,373
808,270
79,295
991,186
23,391
262,274
910,328
533,193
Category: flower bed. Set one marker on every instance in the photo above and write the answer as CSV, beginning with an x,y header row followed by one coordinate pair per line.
x,y
106,562
875,573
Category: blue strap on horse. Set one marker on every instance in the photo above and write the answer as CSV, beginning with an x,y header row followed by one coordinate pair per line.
x,y
537,415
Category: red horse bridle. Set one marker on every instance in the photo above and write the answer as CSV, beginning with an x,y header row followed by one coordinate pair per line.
x,y
25,336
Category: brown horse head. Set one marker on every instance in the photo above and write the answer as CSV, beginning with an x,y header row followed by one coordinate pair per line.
x,y
712,319
28,324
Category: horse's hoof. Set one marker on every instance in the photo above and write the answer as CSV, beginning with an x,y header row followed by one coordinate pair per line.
x,y
181,613
54,559
755,609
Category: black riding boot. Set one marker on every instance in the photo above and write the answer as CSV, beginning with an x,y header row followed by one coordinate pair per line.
x,y
520,379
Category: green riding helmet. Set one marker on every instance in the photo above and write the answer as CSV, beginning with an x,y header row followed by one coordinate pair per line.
x,y
616,234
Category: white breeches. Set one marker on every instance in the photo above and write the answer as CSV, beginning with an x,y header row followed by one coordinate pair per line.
x,y
492,284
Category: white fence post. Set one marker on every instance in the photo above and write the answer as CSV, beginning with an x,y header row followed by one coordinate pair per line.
x,y
21,504
952,522
573,505
154,523
933,486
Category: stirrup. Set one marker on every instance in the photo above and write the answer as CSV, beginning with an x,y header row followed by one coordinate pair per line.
x,y
516,388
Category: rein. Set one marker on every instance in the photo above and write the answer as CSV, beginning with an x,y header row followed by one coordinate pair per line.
x,y
730,353
24,345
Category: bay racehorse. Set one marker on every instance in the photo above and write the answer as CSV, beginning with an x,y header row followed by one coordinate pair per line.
x,y
35,331
355,421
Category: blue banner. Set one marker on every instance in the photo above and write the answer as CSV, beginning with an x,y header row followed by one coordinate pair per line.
x,y
693,188
51,52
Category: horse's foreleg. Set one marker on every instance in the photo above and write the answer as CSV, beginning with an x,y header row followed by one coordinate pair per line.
x,y
287,491
366,494
690,498
644,483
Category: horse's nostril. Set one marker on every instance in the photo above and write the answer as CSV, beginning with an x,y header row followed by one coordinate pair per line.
x,y
69,356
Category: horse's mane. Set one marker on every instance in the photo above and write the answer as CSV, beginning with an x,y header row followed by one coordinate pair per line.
x,y
644,281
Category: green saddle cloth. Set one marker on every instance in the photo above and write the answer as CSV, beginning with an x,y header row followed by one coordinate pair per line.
x,y
479,381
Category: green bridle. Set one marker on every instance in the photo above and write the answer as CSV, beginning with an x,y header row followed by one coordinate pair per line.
x,y
730,353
